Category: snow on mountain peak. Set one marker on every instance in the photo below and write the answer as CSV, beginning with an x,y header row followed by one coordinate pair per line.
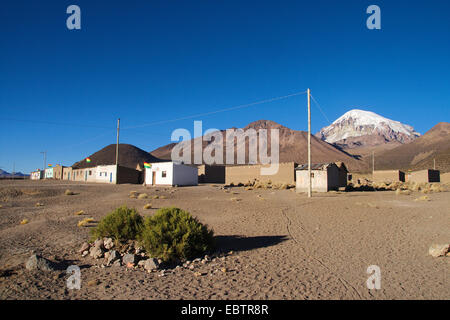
x,y
357,123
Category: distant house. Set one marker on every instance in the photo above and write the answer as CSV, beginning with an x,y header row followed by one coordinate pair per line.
x,y
117,174
211,173
58,172
37,175
84,174
428,175
171,174
388,176
248,173
324,177
48,173
67,173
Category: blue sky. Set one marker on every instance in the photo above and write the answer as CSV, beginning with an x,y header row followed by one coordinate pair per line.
x,y
151,61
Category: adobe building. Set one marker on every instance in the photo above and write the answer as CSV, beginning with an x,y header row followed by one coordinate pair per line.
x,y
117,174
248,173
58,172
343,173
388,176
84,174
324,177
211,173
428,175
67,173
171,174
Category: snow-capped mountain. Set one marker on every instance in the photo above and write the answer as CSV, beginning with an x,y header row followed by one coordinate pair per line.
x,y
364,128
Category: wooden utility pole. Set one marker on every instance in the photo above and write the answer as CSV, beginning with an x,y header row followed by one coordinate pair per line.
x,y
309,145
434,163
117,144
45,158
117,150
373,162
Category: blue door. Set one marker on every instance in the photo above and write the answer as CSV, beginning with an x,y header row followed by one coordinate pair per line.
x,y
110,177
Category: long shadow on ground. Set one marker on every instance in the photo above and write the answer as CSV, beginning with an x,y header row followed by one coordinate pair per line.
x,y
239,243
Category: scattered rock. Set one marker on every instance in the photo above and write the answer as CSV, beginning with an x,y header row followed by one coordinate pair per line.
x,y
112,257
84,247
151,264
108,243
85,253
439,250
36,262
191,267
96,252
98,243
129,258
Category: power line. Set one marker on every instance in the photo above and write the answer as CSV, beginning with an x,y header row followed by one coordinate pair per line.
x,y
218,111
320,109
57,123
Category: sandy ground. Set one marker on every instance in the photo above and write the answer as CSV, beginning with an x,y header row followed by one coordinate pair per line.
x,y
286,246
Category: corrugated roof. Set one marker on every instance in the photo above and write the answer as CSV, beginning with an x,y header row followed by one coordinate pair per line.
x,y
314,166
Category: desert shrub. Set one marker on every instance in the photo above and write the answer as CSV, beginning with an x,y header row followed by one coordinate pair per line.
x,y
142,196
122,224
148,206
173,234
69,192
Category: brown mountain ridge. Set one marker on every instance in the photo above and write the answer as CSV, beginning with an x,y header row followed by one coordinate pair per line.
x,y
293,147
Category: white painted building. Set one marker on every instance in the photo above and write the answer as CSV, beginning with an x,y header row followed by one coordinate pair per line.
x,y
171,174
106,174
37,175
48,173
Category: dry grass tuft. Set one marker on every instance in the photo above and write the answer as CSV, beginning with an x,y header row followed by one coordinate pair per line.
x,y
38,204
69,192
155,196
235,199
85,222
148,206
142,196
24,221
79,213
422,198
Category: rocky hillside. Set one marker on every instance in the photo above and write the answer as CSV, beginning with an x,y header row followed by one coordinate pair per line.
x,y
419,154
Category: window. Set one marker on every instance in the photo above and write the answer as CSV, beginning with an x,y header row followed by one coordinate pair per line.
x,y
163,174
312,174
90,172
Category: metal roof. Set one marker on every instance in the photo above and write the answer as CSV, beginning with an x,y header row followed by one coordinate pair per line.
x,y
314,166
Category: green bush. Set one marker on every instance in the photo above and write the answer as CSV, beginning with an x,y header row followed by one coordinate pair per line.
x,y
173,234
122,224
